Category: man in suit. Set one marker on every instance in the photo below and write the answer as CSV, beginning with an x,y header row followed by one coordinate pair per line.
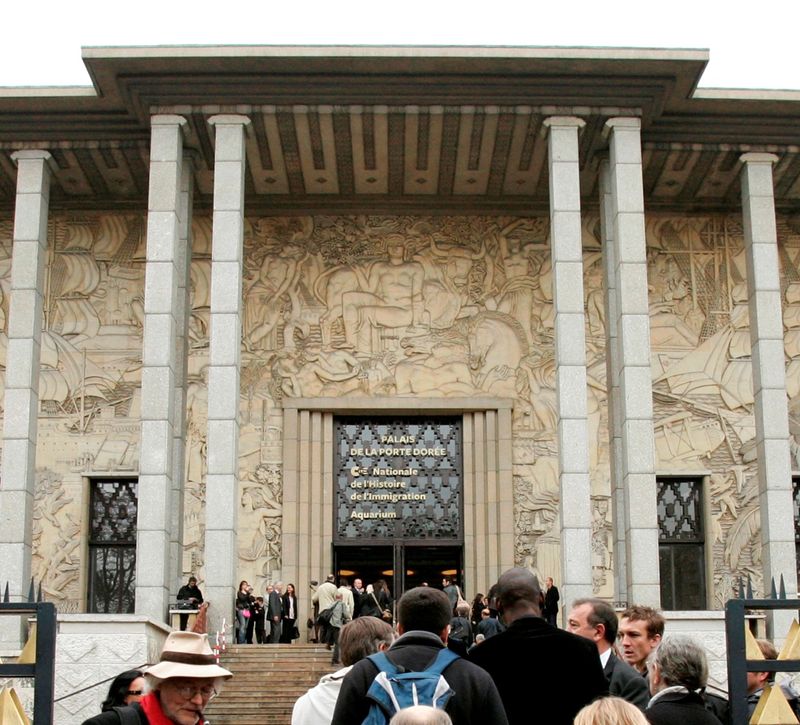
x,y
275,612
358,595
551,597
531,659
596,620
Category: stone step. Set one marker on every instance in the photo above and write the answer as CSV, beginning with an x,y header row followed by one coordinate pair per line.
x,y
267,680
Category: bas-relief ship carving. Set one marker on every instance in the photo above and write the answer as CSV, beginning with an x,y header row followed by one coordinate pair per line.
x,y
430,306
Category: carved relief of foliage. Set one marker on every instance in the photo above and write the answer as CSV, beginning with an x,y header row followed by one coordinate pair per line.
x,y
56,538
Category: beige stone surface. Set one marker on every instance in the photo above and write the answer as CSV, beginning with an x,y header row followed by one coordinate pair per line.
x,y
484,331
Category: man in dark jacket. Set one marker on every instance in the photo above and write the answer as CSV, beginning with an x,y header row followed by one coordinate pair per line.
x,y
531,660
423,622
275,612
596,620
551,597
189,593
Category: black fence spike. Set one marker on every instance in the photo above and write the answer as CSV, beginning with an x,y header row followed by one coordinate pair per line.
x,y
772,593
783,588
6,597
39,592
749,587
30,592
741,588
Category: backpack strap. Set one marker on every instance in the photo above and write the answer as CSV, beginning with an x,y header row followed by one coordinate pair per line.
x,y
383,663
443,659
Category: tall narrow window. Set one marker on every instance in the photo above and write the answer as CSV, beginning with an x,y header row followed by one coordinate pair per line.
x,y
681,543
112,545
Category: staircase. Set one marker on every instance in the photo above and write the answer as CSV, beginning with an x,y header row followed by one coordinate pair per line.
x,y
267,679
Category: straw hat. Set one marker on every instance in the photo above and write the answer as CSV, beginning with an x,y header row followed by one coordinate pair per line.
x,y
187,654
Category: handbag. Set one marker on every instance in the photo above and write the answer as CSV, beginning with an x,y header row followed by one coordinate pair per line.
x,y
461,601
386,614
246,613
295,632
324,617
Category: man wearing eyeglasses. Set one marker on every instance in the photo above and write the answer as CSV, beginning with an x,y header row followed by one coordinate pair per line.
x,y
178,687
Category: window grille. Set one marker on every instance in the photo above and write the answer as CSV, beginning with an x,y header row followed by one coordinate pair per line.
x,y
681,543
112,545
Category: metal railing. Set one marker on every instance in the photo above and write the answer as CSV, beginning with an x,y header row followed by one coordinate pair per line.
x,y
738,663
43,668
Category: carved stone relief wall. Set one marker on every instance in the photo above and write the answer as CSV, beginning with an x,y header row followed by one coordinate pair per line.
x,y
344,306
703,386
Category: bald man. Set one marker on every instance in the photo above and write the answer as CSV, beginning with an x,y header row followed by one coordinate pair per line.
x,y
531,661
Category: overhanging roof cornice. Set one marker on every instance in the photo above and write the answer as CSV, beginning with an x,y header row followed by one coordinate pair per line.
x,y
307,104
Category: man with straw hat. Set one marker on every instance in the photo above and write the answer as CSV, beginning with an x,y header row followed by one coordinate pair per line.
x,y
179,686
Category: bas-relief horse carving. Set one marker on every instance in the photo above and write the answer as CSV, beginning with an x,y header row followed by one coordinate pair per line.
x,y
436,364
497,344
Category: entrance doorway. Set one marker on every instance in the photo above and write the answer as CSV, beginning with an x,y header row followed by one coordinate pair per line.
x,y
401,566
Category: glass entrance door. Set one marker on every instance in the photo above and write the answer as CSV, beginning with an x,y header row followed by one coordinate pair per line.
x,y
401,566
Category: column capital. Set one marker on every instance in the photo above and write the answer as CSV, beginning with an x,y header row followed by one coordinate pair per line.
x,y
754,157
34,155
556,120
167,119
229,119
562,122
633,122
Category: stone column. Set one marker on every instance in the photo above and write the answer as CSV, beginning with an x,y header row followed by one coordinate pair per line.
x,y
183,263
613,399
632,324
769,380
222,481
154,532
570,357
21,400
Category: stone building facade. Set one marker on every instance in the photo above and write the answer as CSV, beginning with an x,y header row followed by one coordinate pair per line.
x,y
217,259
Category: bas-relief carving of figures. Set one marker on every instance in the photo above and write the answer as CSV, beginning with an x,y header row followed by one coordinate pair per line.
x,y
674,321
602,541
263,498
200,303
524,283
390,297
265,291
318,374
56,539
536,500
791,344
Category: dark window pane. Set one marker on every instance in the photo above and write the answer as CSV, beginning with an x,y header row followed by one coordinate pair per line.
x,y
681,544
112,546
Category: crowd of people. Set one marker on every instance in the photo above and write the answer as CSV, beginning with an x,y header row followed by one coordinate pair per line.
x,y
497,660
271,619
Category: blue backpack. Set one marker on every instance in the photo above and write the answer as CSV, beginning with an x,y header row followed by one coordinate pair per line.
x,y
392,690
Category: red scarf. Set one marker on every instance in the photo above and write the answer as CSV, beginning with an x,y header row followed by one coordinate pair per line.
x,y
152,708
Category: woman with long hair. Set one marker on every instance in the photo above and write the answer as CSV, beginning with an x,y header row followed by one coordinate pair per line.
x,y
125,689
289,615
477,607
244,602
